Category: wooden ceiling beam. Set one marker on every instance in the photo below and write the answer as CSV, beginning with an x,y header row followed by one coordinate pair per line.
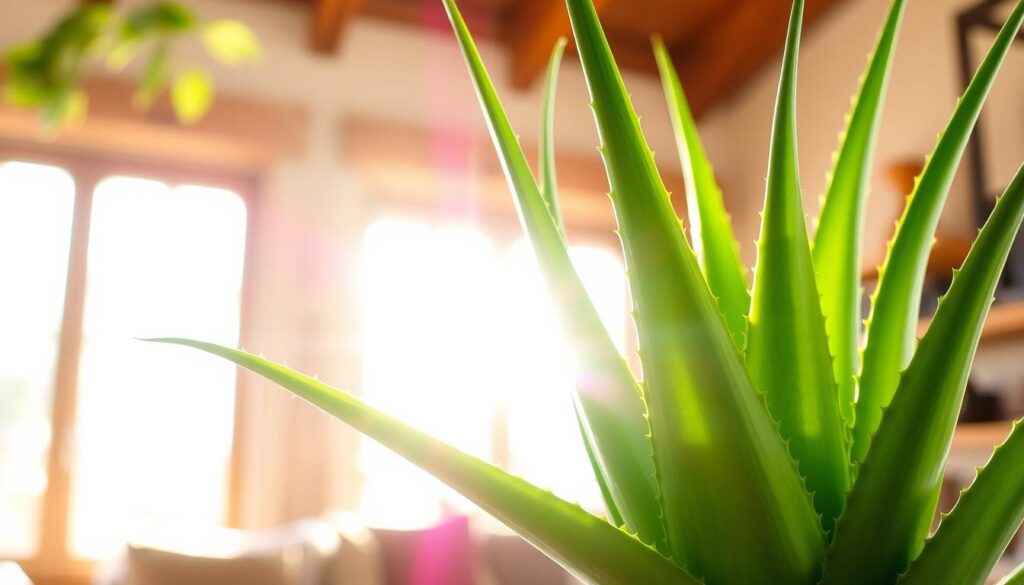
x,y
538,26
716,65
329,19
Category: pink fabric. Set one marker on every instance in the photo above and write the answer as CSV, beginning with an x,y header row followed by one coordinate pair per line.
x,y
443,555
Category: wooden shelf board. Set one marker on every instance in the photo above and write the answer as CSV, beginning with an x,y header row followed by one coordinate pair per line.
x,y
981,435
1004,320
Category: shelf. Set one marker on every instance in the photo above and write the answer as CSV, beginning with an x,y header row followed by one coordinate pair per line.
x,y
981,435
1004,320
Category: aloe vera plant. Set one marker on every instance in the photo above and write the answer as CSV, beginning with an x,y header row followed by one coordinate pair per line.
x,y
765,443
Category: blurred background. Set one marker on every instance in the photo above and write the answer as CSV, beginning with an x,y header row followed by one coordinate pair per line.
x,y
340,209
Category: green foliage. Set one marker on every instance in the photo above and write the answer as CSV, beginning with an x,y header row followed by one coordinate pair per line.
x,y
733,461
47,74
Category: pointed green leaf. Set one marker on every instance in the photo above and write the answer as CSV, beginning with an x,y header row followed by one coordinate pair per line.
x,y
972,538
710,227
1016,577
585,545
611,403
735,507
892,327
787,351
549,184
837,242
549,178
890,509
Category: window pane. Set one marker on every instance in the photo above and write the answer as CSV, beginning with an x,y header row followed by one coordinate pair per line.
x,y
36,206
430,300
544,442
459,336
154,425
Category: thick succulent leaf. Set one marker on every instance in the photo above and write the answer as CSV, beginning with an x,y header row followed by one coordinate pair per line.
x,y
710,228
549,177
890,509
787,351
1016,577
972,538
892,327
837,241
611,403
549,184
587,546
735,507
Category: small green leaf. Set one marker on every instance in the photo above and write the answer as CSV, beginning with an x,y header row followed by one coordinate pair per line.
x,y
971,539
735,508
787,351
611,404
549,177
837,242
232,42
192,95
710,227
892,327
588,547
890,509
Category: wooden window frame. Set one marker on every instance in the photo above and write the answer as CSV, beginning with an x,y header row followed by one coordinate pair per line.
x,y
53,562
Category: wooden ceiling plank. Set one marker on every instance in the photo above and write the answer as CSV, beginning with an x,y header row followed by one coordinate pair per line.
x,y
720,62
328,23
538,26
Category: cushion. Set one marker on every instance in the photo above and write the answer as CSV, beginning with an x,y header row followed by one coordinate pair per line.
x,y
442,555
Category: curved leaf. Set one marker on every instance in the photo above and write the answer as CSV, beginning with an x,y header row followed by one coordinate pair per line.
x,y
837,241
972,538
734,504
610,402
710,227
585,545
787,351
892,326
890,509
549,178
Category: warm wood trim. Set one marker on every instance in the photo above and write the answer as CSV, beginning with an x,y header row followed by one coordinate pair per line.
x,y
401,166
981,435
717,64
538,26
56,504
237,134
329,20
1004,320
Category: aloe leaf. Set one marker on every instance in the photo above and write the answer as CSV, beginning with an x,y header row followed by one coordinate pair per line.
x,y
548,174
890,509
972,538
549,182
1016,577
892,326
735,506
787,351
584,544
710,227
837,241
611,402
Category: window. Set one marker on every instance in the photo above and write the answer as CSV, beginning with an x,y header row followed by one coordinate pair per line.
x,y
461,341
101,436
